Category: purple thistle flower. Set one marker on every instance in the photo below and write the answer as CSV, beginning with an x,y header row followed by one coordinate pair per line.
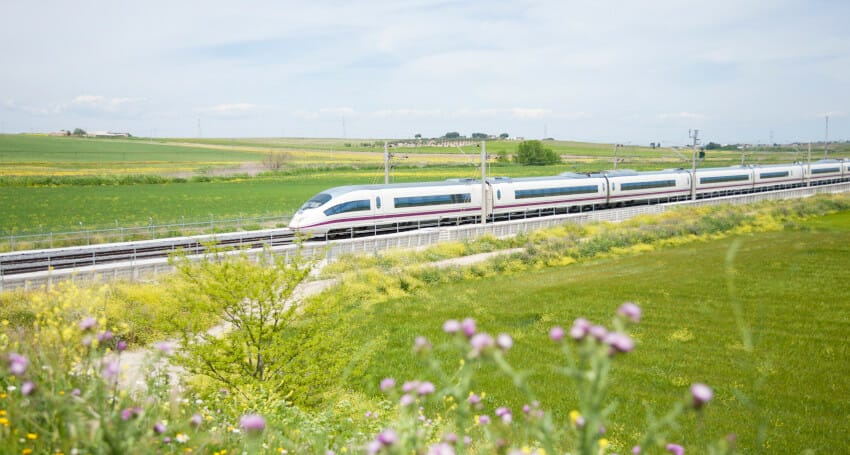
x,y
451,438
109,370
166,440
701,394
526,408
165,347
126,414
75,393
88,323
675,449
252,423
387,437
451,326
556,334
484,419
630,310
636,450
598,332
619,342
17,364
425,388
580,329
504,341
27,388
500,411
121,346
387,384
474,400
196,420
441,448
421,344
104,336
481,342
159,428
468,327
410,386
406,400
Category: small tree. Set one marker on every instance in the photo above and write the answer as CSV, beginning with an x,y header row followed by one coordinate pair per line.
x,y
79,132
533,153
255,300
452,135
504,136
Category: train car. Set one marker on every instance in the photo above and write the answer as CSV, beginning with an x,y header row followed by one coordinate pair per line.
x,y
723,181
823,172
541,196
627,187
777,176
382,208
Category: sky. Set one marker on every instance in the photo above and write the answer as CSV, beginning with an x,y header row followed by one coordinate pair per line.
x,y
631,72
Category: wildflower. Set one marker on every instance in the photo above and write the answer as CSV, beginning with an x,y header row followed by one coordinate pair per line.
x,y
441,448
17,364
373,447
603,443
104,336
75,392
481,342
675,449
109,370
580,329
701,394
474,400
159,428
451,326
387,384
482,419
121,346
181,438
165,347
505,414
504,341
636,450
619,342
166,440
88,323
26,451
27,388
406,400
252,423
425,388
32,436
421,344
196,420
556,334
387,437
410,386
630,310
468,327
598,332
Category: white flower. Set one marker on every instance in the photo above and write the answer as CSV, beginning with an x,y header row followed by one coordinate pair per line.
x,y
181,438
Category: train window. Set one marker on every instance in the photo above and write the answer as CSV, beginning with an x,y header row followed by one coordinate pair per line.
x,y
826,170
773,175
548,192
316,201
437,199
378,202
646,185
351,206
724,178
499,194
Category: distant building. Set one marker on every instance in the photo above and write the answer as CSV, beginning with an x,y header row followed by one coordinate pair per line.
x,y
107,134
59,133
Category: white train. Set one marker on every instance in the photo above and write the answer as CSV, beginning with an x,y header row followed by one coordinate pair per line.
x,y
351,210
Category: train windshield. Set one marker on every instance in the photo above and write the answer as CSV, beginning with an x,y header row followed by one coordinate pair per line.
x,y
317,201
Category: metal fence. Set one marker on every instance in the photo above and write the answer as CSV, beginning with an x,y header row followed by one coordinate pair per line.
x,y
145,269
42,240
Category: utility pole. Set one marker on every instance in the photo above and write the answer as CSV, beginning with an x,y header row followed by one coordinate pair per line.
x,y
615,156
695,136
809,167
387,157
483,182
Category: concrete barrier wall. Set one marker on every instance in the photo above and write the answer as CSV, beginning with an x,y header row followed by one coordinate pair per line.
x,y
144,270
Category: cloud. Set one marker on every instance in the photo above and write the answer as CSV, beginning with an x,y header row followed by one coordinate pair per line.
x,y
231,110
683,116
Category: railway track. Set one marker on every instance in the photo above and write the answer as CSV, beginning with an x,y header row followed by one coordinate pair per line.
x,y
74,257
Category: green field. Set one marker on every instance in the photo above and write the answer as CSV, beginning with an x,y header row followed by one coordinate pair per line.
x,y
789,287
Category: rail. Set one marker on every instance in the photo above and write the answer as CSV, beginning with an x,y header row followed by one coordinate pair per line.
x,y
146,269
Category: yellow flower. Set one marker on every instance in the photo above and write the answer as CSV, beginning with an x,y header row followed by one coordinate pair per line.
x,y
2,412
26,451
603,443
574,416
32,436
4,421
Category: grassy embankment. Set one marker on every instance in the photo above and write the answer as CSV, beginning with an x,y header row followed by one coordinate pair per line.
x,y
750,300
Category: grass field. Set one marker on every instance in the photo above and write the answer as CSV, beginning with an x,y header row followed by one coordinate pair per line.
x,y
782,368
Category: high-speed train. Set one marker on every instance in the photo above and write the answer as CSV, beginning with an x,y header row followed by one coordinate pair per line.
x,y
402,206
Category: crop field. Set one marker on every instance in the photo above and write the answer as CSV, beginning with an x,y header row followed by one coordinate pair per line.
x,y
781,368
